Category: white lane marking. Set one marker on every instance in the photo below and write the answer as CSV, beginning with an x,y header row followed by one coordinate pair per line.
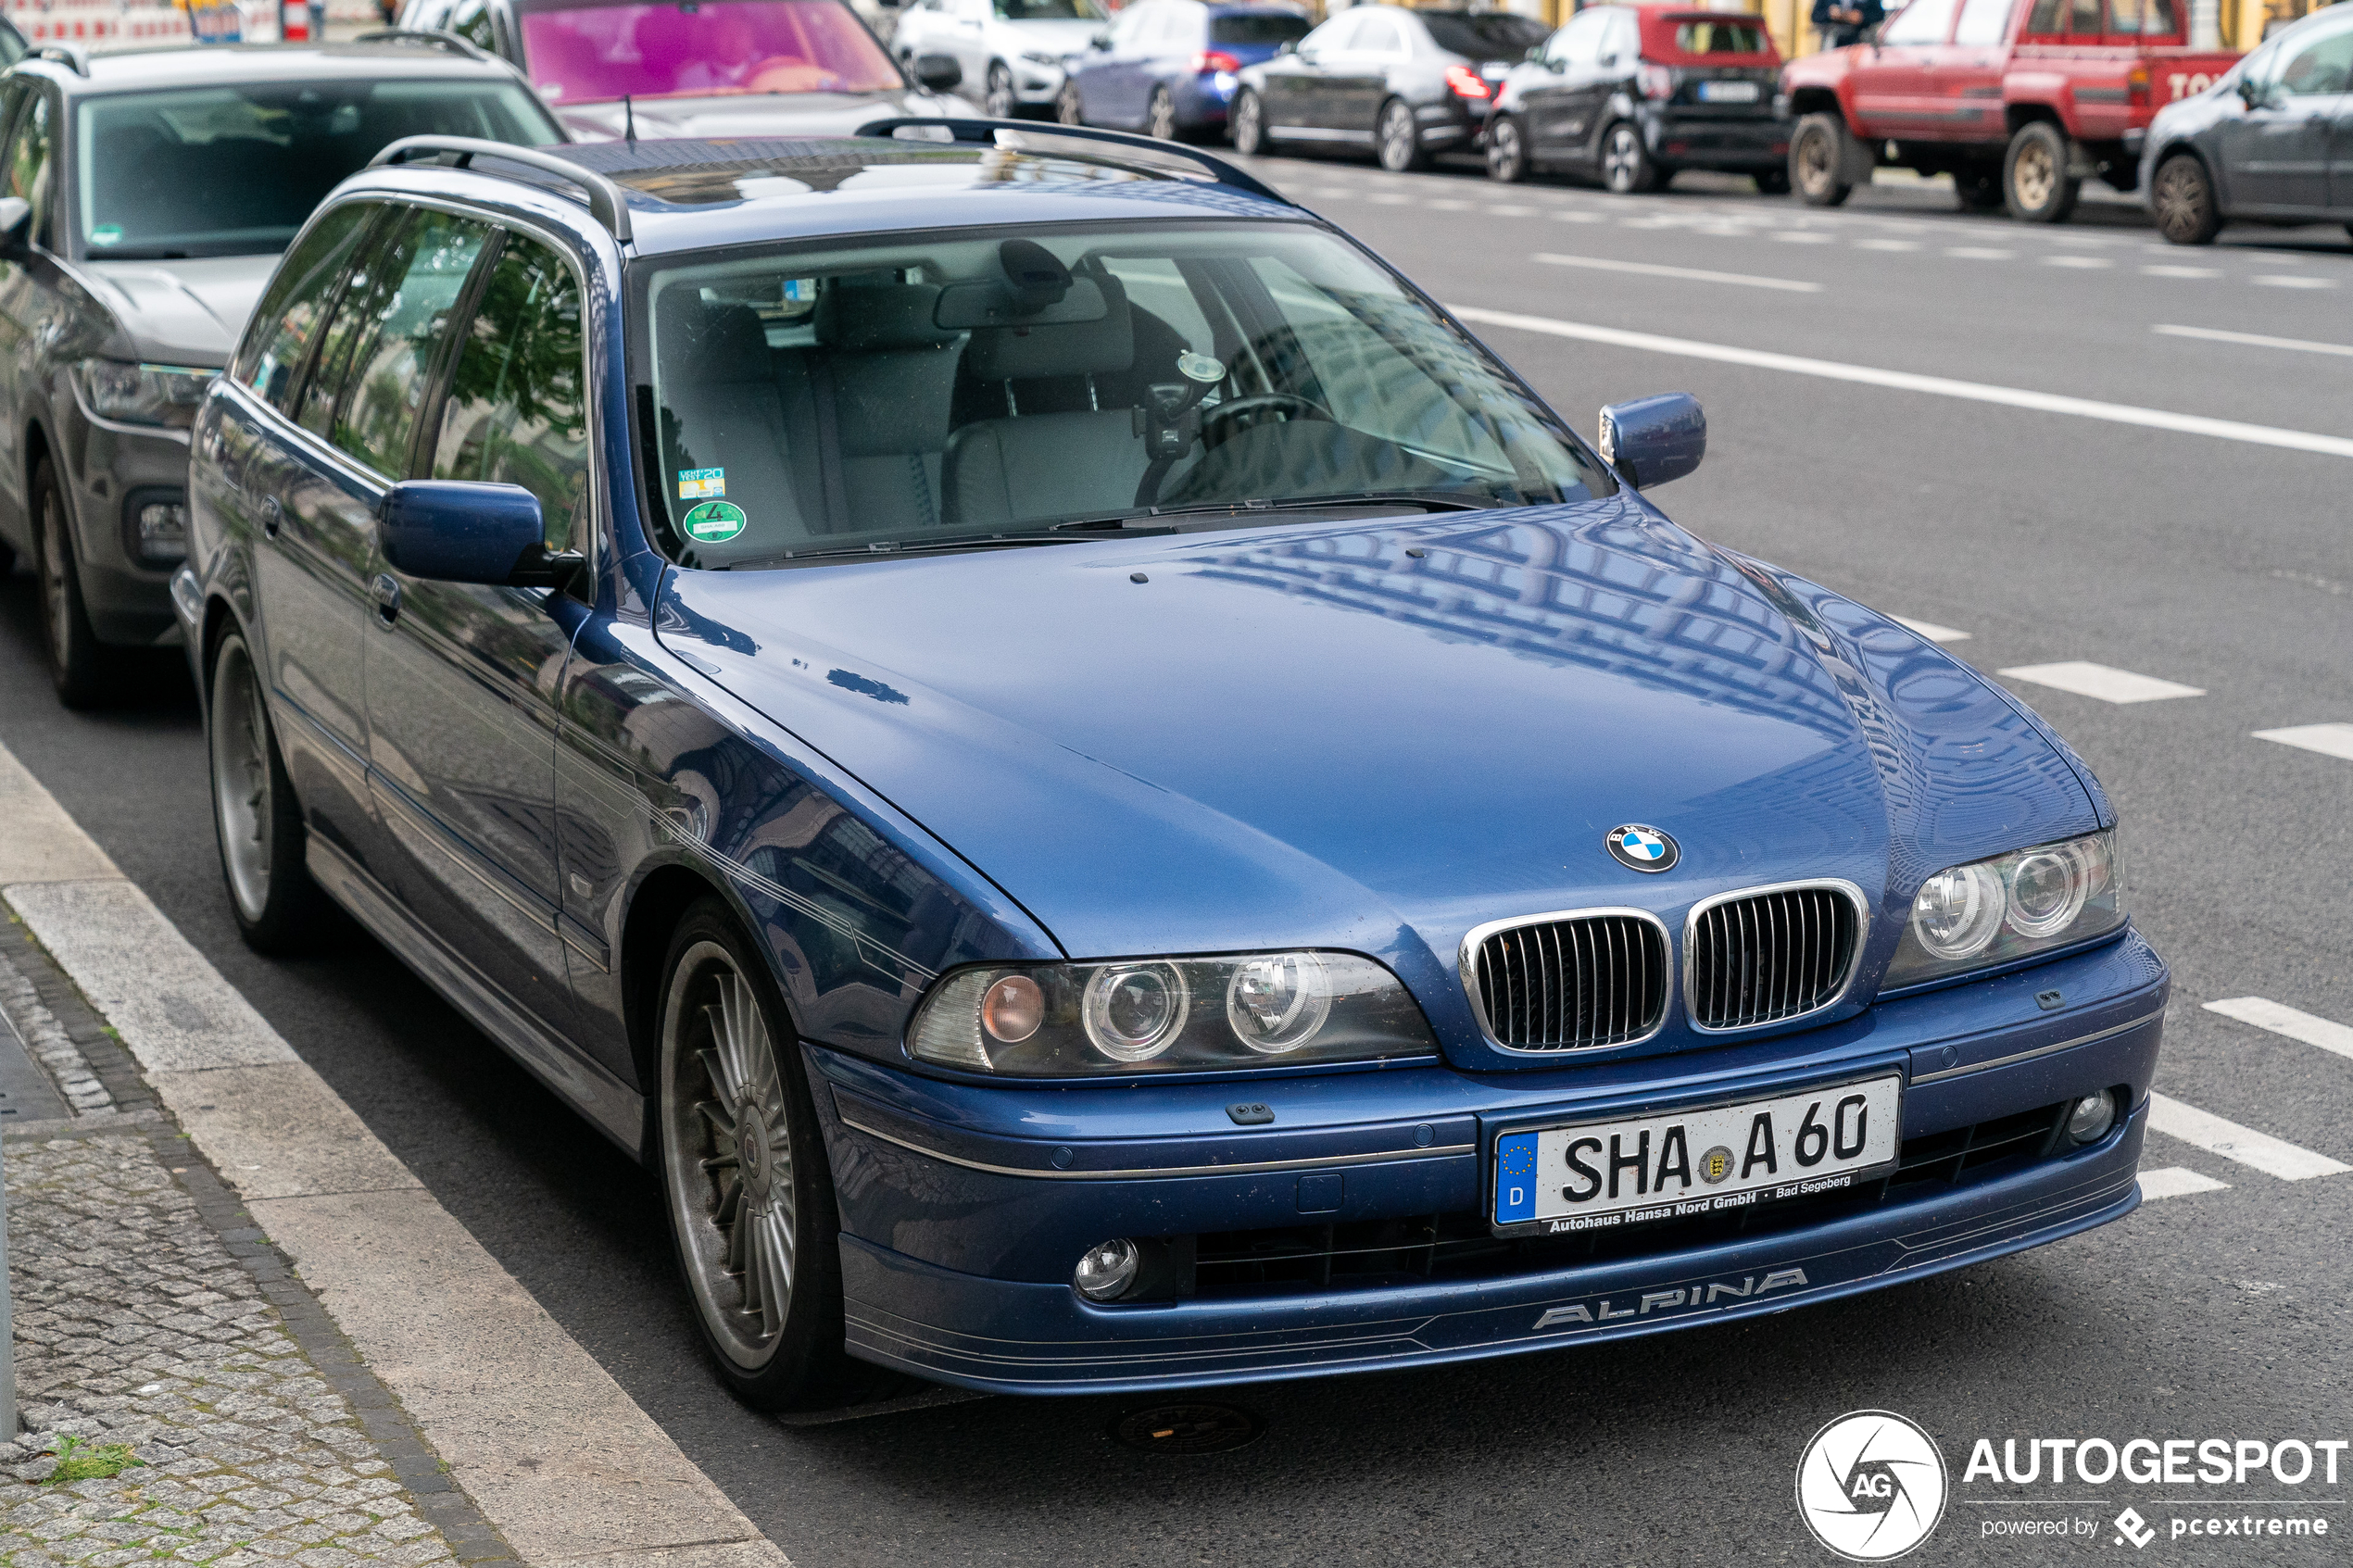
x,y
2177,1181
2273,1156
1887,245
1905,381
1389,199
2329,740
1697,274
2084,263
1571,215
2291,281
2281,1019
1980,253
2085,679
1805,238
1510,211
2176,271
1447,203
2257,340
1931,630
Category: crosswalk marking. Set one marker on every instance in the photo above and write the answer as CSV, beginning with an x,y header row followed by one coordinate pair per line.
x,y
2161,271
1931,630
2329,740
2281,1019
2099,681
2273,1156
2177,1181
1980,253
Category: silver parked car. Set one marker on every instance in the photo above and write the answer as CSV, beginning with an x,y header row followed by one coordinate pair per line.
x,y
1011,51
144,198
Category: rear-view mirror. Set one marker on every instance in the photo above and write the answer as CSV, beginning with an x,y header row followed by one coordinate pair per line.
x,y
987,303
1651,439
453,531
938,73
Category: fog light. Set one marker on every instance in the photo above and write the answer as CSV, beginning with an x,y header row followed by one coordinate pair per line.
x,y
2092,1116
163,530
1107,1269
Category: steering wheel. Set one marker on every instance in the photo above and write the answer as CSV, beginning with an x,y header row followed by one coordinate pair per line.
x,y
1222,421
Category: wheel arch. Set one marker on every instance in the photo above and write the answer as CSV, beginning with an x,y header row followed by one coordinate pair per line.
x,y
662,899
1815,100
2016,117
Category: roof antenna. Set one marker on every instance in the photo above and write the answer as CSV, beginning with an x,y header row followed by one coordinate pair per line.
x,y
629,119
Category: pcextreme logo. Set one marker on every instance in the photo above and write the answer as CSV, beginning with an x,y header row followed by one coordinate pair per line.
x,y
1872,1486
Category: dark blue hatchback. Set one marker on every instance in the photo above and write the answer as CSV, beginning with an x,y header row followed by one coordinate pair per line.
x,y
1169,68
1107,800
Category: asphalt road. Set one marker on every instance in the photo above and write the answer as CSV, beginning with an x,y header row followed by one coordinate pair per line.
x,y
2216,562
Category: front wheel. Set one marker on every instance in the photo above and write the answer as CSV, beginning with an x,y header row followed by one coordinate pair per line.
x,y
1507,152
1067,108
81,667
743,1168
1397,136
1627,165
254,810
1159,119
2183,201
1817,160
1250,125
2036,185
1000,102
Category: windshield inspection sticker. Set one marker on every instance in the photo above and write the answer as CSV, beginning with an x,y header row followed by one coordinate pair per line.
x,y
695,484
713,522
107,234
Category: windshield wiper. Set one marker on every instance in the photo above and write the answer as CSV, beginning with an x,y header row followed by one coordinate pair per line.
x,y
1429,500
884,549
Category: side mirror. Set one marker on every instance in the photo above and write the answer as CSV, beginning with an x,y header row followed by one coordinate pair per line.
x,y
938,73
1288,47
16,222
454,531
1100,40
1535,52
2253,94
1651,439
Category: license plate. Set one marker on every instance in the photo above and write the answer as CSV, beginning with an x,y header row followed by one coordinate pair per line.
x,y
1639,1170
1728,92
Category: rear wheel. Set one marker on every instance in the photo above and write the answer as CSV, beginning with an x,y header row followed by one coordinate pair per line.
x,y
743,1168
1000,102
1506,151
81,667
2036,186
1627,165
1397,136
1250,125
1816,161
2182,198
1159,119
1978,190
1067,107
254,810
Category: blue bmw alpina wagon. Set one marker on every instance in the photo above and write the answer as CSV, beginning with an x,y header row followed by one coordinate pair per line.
x,y
1106,796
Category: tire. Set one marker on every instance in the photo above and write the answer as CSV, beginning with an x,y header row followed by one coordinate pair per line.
x,y
738,1136
1773,182
1506,151
1068,110
1397,138
1977,190
1816,155
2036,186
254,815
81,667
999,101
2182,196
1160,116
1627,166
1250,126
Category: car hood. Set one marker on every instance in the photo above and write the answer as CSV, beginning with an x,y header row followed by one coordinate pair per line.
x,y
1293,737
750,114
1050,36
182,312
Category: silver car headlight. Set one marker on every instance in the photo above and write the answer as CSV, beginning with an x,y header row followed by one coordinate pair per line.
x,y
1167,1015
1040,58
142,395
2009,907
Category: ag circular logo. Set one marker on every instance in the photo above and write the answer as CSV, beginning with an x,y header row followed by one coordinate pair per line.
x,y
1872,1486
1643,848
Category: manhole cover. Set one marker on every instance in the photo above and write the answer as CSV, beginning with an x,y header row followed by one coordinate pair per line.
x,y
1187,1429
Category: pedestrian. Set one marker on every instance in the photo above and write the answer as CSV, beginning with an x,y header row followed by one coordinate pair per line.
x,y
1842,22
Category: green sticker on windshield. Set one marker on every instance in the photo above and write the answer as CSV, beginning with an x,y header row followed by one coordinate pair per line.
x,y
714,522
107,234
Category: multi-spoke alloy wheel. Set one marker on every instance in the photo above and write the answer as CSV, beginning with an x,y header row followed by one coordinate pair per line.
x,y
254,810
1250,125
1626,163
79,665
1001,102
1506,154
2183,197
743,1171
1398,136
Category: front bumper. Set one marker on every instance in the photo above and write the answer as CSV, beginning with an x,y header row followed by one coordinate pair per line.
x,y
128,600
958,1235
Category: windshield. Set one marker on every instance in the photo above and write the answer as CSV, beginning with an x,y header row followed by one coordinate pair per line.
x,y
1489,35
1049,10
236,171
928,391
695,49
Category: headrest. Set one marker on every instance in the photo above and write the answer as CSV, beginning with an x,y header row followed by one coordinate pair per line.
x,y
1070,349
705,343
861,318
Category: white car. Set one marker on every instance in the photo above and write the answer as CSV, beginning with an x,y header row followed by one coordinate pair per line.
x,y
1011,51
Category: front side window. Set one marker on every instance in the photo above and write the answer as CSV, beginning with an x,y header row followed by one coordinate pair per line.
x,y
518,407
934,390
1049,10
371,382
1580,43
2320,66
1983,21
288,319
1924,22
1266,29
236,171
2143,18
597,53
1729,37
1379,36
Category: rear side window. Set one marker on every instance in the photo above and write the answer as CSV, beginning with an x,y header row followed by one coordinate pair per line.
x,y
1487,35
2143,18
301,295
518,407
1263,27
1714,37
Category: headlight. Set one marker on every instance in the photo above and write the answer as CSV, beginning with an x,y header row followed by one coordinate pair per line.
x,y
2009,907
1167,1015
142,395
1040,58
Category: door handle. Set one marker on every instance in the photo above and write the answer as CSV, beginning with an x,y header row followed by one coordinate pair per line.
x,y
272,515
387,589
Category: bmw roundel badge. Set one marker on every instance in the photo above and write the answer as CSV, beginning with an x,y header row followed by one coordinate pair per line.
x,y
1643,848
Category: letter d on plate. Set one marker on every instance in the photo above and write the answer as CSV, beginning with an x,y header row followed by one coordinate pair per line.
x,y
1515,1178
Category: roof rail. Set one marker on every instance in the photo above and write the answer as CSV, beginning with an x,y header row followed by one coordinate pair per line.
x,y
70,54
434,38
606,203
1029,134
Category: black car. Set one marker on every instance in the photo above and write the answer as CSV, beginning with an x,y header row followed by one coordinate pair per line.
x,y
1630,94
2272,140
1406,83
